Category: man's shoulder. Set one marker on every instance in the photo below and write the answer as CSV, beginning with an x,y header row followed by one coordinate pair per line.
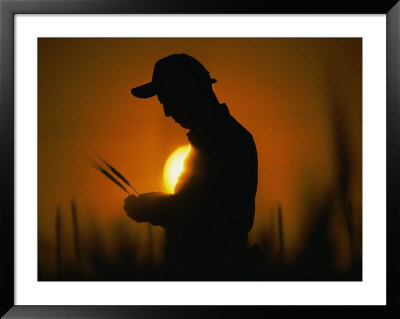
x,y
238,131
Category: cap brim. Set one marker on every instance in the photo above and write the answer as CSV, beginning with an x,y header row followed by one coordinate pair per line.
x,y
144,91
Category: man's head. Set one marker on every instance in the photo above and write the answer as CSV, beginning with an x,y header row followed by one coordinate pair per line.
x,y
183,86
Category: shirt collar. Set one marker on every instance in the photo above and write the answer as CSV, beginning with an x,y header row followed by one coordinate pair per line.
x,y
201,138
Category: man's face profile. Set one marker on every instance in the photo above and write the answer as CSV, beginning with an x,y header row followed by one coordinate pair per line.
x,y
180,105
173,107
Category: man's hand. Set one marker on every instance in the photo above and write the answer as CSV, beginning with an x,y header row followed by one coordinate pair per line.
x,y
143,208
133,208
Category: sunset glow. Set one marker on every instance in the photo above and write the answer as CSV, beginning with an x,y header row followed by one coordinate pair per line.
x,y
303,108
174,166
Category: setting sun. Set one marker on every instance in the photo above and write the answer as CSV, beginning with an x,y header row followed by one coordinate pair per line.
x,y
174,166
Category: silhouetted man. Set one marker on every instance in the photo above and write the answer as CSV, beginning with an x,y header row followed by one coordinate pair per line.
x,y
208,217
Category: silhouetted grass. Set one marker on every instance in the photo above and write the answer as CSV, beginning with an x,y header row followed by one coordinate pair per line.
x,y
58,242
263,262
76,233
280,232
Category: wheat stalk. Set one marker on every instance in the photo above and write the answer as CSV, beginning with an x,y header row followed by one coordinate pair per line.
x,y
117,173
108,175
58,242
76,233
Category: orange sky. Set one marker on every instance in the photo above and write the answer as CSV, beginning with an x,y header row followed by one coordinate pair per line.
x,y
286,92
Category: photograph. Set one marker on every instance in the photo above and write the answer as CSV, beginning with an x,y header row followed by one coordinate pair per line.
x,y
200,159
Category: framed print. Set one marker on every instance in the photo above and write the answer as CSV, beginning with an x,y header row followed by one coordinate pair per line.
x,y
162,155
132,249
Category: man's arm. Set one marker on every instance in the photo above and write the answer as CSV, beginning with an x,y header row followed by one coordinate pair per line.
x,y
159,208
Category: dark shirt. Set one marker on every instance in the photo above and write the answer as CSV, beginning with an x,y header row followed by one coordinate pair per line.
x,y
214,201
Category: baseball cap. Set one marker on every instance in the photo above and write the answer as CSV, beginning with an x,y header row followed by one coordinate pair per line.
x,y
176,70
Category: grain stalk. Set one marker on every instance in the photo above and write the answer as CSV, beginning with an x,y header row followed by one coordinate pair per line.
x,y
58,242
118,174
107,174
280,225
76,233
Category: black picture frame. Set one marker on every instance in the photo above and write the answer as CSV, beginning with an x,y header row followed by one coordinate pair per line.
x,y
8,10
